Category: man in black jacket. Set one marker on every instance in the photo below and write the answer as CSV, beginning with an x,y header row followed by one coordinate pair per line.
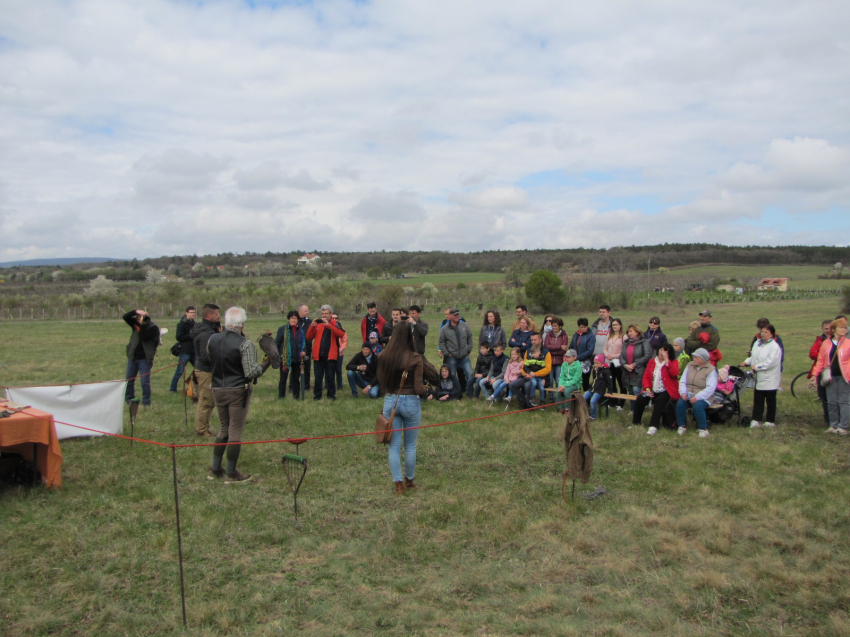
x,y
362,372
304,323
200,334
419,327
140,353
234,366
187,349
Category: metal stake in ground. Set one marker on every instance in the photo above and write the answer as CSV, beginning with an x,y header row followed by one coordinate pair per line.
x,y
179,535
292,466
134,409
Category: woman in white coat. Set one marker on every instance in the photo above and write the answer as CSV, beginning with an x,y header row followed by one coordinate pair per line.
x,y
765,360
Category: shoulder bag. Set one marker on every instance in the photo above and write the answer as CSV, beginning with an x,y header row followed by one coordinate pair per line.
x,y
384,425
826,374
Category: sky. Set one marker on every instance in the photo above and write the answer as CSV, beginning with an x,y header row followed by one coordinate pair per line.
x,y
151,127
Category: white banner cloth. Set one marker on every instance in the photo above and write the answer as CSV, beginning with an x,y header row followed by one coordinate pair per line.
x,y
98,406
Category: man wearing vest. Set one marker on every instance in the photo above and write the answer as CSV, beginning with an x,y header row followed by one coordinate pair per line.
x,y
696,389
535,369
140,352
201,334
234,365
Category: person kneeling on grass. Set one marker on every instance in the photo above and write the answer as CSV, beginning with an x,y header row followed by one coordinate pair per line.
x,y
601,383
696,390
661,386
449,387
362,371
569,379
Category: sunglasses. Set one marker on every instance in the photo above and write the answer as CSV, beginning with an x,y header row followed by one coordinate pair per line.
x,y
654,323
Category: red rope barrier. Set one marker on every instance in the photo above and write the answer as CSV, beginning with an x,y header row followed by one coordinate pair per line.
x,y
303,440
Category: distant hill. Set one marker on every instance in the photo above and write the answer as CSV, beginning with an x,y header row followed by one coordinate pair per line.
x,y
65,261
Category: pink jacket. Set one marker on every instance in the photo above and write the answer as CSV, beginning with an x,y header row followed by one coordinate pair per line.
x,y
613,348
843,357
513,371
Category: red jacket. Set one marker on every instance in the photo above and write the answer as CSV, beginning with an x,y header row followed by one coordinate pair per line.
x,y
813,353
381,322
669,377
316,331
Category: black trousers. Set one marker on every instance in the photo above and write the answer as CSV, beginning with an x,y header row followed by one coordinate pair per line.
x,y
760,397
293,373
660,405
324,371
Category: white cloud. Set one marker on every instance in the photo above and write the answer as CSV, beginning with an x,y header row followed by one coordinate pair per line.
x,y
376,112
497,198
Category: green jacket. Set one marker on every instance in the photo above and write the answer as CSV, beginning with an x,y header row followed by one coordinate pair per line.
x,y
570,375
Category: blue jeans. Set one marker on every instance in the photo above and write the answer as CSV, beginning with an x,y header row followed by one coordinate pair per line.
x,y
473,387
178,373
594,401
144,369
355,380
452,363
498,388
482,387
699,413
408,413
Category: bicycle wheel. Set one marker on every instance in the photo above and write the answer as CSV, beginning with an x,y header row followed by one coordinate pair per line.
x,y
800,387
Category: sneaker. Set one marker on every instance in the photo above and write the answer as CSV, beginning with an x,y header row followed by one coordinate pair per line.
x,y
214,474
619,408
831,430
754,424
652,431
769,424
682,431
703,433
842,432
592,418
236,476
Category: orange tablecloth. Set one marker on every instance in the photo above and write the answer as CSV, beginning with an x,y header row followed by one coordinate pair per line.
x,y
18,433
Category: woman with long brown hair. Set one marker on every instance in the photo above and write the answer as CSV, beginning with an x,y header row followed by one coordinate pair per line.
x,y
400,370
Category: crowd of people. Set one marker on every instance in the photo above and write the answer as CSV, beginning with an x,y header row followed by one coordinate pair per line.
x,y
604,360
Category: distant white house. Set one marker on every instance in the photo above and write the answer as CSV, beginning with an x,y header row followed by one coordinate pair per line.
x,y
778,285
310,259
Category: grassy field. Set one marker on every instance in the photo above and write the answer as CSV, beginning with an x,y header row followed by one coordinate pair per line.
x,y
740,534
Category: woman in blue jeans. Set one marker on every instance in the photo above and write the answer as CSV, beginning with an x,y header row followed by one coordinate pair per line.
x,y
400,371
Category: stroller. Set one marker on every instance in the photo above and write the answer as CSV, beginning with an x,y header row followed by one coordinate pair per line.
x,y
726,407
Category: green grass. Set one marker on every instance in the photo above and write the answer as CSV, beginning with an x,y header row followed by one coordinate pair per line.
x,y
743,533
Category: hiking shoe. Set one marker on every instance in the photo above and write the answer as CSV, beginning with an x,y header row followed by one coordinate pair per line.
x,y
408,484
399,488
703,433
682,431
841,432
214,474
831,430
652,431
236,476
754,424
619,408
769,424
